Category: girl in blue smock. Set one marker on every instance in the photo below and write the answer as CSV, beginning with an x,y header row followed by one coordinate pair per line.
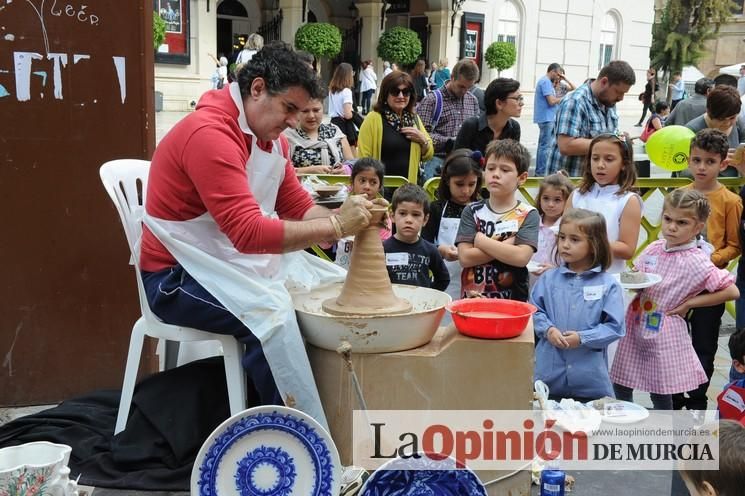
x,y
580,311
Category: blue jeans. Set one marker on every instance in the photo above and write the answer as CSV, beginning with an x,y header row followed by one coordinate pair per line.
x,y
430,168
178,299
545,138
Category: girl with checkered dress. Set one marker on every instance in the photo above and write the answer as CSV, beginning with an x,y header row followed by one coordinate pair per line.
x,y
657,355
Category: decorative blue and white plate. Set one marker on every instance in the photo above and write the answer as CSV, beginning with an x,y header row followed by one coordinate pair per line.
x,y
422,476
267,451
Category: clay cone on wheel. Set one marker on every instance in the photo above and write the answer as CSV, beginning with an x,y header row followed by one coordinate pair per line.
x,y
367,289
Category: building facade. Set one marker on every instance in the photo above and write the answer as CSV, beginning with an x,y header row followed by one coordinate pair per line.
x,y
582,35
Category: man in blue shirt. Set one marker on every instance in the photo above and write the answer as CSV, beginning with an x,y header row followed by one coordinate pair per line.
x,y
588,111
677,90
544,114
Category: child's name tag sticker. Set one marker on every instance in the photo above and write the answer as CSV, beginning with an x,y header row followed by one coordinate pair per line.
x,y
734,399
400,258
593,292
506,227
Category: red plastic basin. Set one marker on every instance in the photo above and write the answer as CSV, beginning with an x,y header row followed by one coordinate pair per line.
x,y
490,318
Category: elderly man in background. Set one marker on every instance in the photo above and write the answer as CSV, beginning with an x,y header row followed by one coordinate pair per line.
x,y
588,111
443,111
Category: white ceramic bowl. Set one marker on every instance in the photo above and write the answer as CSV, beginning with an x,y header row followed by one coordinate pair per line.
x,y
371,334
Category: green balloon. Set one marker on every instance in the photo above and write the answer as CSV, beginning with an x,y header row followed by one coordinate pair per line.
x,y
669,147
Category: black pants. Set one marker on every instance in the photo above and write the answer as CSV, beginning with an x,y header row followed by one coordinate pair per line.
x,y
647,106
349,126
659,401
704,325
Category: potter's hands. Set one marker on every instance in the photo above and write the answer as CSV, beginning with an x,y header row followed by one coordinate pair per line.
x,y
382,203
448,252
354,215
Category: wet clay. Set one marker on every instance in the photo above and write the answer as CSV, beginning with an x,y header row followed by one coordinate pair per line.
x,y
367,289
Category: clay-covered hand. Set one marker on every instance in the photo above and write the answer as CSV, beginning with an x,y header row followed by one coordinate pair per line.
x,y
382,202
354,214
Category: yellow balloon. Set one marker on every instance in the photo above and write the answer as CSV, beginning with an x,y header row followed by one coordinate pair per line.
x,y
669,147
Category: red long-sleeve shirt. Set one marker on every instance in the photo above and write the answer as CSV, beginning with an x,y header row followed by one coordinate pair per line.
x,y
199,167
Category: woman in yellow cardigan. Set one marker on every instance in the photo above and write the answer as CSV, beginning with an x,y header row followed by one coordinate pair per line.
x,y
392,132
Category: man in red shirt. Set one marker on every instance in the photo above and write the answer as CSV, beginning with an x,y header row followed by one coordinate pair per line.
x,y
223,205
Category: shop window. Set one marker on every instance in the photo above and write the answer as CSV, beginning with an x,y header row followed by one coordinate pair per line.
x,y
175,47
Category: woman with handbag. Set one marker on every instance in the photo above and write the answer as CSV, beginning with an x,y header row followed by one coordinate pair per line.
x,y
392,132
341,102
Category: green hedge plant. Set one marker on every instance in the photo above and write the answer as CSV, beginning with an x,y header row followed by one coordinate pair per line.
x,y
321,39
500,55
399,45
159,30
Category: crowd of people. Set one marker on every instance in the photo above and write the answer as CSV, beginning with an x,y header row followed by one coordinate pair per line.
x,y
477,238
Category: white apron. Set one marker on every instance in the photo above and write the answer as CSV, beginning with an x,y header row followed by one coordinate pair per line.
x,y
604,200
254,287
446,236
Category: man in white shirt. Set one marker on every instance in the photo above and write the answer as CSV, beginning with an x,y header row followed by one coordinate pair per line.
x,y
677,88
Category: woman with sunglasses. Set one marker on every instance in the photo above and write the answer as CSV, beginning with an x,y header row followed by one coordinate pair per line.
x,y
392,132
503,102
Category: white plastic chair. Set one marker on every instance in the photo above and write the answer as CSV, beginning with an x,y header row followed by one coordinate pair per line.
x,y
126,183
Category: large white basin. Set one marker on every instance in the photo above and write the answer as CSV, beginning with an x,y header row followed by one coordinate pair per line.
x,y
371,334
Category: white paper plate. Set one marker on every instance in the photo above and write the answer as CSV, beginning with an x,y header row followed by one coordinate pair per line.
x,y
267,450
621,412
652,279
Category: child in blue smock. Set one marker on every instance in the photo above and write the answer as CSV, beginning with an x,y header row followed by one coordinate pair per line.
x,y
580,311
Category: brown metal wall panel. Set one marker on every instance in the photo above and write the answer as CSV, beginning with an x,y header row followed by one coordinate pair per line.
x,y
68,297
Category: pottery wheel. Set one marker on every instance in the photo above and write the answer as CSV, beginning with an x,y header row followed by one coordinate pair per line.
x,y
367,289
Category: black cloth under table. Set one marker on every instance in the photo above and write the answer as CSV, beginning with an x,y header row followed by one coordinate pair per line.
x,y
172,414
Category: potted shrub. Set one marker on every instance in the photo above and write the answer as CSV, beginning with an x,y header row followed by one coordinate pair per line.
x,y
321,39
399,45
500,55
